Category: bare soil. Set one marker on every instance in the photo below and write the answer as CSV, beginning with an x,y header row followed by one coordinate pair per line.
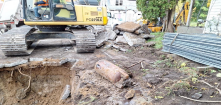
x,y
150,80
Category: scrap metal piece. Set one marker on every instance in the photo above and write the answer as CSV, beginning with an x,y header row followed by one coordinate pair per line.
x,y
110,71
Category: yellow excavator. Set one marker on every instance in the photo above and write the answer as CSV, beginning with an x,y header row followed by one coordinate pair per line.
x,y
59,19
180,19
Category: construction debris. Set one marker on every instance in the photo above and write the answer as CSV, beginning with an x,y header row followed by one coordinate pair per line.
x,y
204,48
133,40
110,71
112,35
128,26
66,93
120,40
101,39
127,33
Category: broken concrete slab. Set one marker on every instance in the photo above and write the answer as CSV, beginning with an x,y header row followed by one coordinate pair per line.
x,y
54,62
147,36
36,59
133,40
101,39
66,93
121,40
128,26
15,63
111,35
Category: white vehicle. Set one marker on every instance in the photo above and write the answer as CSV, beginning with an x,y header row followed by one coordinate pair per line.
x,y
10,15
120,11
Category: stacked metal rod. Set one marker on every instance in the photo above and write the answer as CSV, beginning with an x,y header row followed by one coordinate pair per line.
x,y
201,48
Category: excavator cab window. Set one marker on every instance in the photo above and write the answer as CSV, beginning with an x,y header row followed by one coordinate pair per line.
x,y
63,10
57,10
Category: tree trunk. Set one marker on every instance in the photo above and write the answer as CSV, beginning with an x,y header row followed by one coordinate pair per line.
x,y
169,19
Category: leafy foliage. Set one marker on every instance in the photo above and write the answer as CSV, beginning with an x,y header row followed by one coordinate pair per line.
x,y
152,9
204,10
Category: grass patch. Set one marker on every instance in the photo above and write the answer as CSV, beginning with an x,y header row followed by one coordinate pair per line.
x,y
158,39
194,24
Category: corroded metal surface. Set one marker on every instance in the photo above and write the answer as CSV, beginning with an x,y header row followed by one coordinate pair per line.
x,y
110,71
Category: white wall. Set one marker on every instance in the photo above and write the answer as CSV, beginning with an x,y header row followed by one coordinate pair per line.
x,y
213,21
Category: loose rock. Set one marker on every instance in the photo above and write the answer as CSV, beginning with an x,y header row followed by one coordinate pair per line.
x,y
154,80
21,94
133,40
149,44
139,101
130,94
197,96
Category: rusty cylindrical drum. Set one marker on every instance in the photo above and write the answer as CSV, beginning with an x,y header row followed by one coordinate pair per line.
x,y
110,71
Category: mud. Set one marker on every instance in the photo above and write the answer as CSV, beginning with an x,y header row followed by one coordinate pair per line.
x,y
50,72
47,85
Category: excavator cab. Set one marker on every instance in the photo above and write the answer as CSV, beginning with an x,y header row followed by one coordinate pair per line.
x,y
64,12
59,19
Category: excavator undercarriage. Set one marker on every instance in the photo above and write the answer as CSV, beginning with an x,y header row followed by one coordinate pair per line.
x,y
18,41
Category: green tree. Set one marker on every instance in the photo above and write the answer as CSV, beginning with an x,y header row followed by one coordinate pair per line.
x,y
200,10
152,9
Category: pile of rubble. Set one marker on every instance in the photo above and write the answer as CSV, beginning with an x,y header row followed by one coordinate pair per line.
x,y
128,33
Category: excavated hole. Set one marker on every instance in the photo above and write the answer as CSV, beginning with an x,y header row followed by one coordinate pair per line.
x,y
47,85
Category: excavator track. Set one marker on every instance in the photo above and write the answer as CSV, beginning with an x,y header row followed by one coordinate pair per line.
x,y
85,41
13,42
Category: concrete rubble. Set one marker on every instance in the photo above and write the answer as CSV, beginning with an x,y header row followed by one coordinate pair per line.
x,y
133,40
127,33
101,39
120,40
128,26
112,35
